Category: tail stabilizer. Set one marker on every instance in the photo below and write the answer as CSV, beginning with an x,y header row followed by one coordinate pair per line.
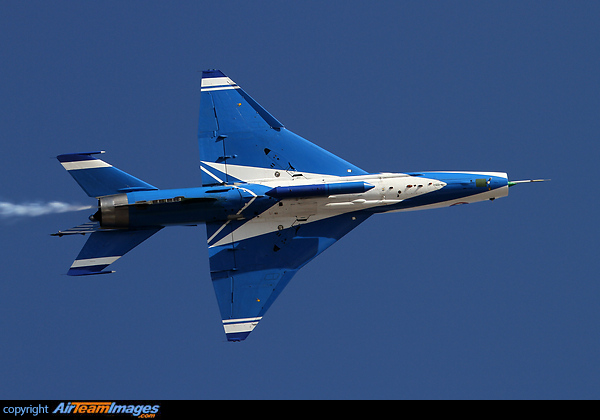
x,y
98,178
105,247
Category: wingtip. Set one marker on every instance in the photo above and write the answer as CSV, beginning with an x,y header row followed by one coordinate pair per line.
x,y
237,337
239,329
69,157
210,73
74,272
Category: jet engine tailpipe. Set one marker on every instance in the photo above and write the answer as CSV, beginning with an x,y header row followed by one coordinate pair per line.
x,y
113,211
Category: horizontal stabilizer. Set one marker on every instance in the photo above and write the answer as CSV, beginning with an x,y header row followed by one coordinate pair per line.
x,y
98,178
105,247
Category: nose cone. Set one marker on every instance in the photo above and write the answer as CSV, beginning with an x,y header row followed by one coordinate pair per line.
x,y
497,181
470,187
478,181
488,186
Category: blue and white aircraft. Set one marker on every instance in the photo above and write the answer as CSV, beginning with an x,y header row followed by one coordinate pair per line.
x,y
271,201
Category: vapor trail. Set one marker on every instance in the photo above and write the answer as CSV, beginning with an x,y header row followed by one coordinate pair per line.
x,y
37,209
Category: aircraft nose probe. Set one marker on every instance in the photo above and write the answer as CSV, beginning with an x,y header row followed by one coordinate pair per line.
x,y
513,183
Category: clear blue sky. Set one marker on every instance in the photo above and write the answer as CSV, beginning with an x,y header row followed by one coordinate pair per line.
x,y
491,300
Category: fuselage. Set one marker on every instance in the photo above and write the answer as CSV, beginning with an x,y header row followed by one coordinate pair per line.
x,y
271,201
301,198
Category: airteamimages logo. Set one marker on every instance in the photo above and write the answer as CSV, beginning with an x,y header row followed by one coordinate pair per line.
x,y
141,411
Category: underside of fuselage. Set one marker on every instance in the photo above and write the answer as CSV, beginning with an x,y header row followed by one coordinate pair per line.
x,y
304,200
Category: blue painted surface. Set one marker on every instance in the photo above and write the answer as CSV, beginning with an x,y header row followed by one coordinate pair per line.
x,y
319,190
232,123
102,181
250,274
114,243
193,205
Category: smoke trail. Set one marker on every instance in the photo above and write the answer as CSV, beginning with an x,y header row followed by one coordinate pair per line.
x,y
8,210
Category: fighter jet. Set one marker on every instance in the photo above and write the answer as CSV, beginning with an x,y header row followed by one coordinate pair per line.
x,y
271,202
